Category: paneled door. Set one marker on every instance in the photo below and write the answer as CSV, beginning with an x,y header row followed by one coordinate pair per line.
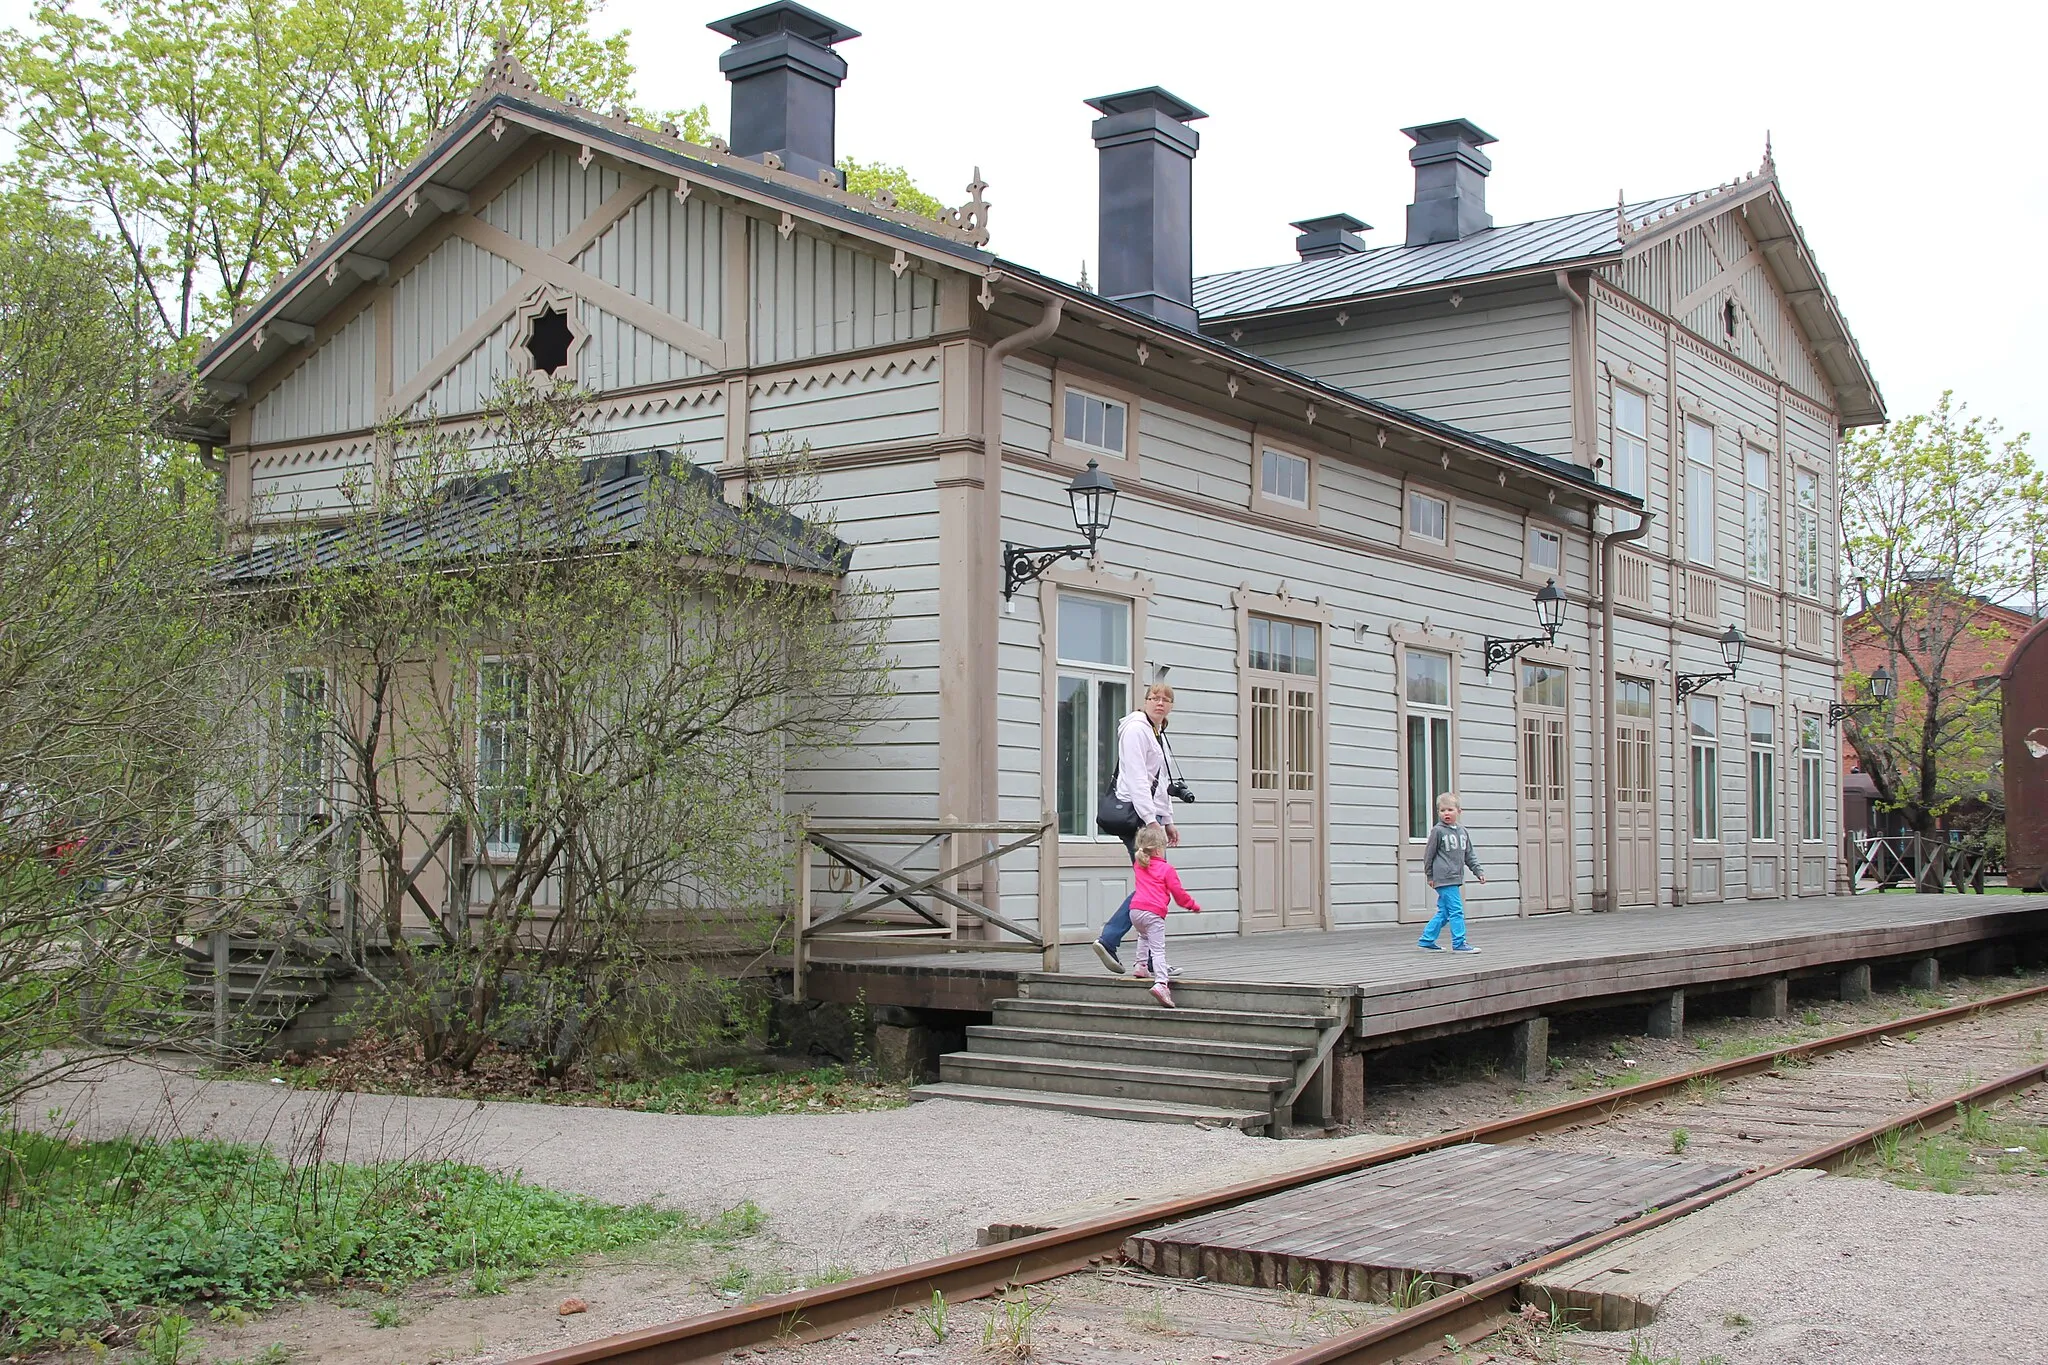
x,y
1546,786
1283,807
1635,793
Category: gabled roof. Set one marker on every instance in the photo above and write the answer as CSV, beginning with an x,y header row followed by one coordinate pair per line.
x,y
1575,241
615,514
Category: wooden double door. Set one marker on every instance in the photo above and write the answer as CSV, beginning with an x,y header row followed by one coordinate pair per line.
x,y
1282,869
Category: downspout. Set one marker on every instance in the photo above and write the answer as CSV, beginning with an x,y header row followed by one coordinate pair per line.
x,y
1585,448
1612,828
988,563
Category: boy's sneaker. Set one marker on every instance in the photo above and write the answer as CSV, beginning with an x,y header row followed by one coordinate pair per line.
x,y
1108,959
1431,944
1463,948
1163,994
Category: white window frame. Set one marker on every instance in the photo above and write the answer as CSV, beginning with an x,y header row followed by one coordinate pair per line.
x,y
1307,513
1431,716
1763,774
1758,535
1812,780
1533,528
1091,848
1629,450
1095,676
493,846
1411,539
1808,570
1703,772
293,824
1077,454
1702,537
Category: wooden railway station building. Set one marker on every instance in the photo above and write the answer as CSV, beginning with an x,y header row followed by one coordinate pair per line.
x,y
1338,477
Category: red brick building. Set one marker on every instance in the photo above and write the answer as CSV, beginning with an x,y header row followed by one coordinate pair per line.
x,y
1978,654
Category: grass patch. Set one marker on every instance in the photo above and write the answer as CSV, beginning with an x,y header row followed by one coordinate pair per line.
x,y
386,1067
95,1233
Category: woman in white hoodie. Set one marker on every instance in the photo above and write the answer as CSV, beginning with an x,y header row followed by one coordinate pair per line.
x,y
1141,779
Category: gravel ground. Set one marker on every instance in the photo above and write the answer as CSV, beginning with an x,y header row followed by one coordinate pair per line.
x,y
1862,1271
857,1191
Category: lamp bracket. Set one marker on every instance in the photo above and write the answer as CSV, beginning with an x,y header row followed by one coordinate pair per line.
x,y
1499,652
1689,683
1839,711
1025,563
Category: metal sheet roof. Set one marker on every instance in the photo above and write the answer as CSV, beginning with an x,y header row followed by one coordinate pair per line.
x,y
620,486
1520,246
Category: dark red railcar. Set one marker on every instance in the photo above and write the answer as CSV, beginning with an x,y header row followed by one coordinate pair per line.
x,y
2025,681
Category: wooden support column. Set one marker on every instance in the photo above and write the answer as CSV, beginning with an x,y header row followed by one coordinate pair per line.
x,y
1925,974
1771,999
1529,1049
1347,1089
1667,1016
1855,982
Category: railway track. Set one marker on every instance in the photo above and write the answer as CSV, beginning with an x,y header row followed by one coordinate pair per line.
x,y
1822,1134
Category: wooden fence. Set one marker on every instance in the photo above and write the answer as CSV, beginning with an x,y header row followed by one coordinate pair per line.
x,y
857,890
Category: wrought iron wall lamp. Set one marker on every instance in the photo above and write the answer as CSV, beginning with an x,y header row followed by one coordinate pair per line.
x,y
1883,687
1549,615
1092,496
1733,642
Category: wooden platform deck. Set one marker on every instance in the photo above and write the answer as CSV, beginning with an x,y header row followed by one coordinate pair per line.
x,y
1434,1221
1526,967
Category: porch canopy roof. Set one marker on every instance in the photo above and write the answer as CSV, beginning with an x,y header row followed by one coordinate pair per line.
x,y
465,518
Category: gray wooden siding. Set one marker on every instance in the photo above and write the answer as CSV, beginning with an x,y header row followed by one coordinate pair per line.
x,y
865,402
1499,364
433,302
1027,406
619,355
690,420
334,390
668,254
813,297
295,483
554,195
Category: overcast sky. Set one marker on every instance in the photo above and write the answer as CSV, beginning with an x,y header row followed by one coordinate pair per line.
x,y
1904,136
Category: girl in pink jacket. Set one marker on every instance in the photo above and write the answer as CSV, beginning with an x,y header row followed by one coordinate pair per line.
x,y
1155,887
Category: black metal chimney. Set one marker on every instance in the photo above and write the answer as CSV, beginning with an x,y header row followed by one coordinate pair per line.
x,y
1334,234
1450,181
1145,241
784,76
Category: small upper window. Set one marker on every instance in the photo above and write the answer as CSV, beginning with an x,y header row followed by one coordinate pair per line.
x,y
1284,477
1429,517
1282,646
1546,552
1094,423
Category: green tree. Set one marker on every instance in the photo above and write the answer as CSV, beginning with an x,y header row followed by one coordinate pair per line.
x,y
112,697
587,719
218,140
871,177
1934,511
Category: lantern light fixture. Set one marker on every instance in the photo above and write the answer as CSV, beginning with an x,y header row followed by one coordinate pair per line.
x,y
1092,498
1882,687
1733,643
1550,604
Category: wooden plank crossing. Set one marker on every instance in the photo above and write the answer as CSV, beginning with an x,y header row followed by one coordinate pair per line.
x,y
1527,966
1432,1222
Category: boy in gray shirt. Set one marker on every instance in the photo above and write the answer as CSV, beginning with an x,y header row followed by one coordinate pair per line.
x,y
1444,860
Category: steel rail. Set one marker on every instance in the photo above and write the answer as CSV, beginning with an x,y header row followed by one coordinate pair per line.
x,y
1489,1303
805,1315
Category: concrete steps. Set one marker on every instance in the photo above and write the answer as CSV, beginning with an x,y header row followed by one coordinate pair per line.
x,y
1235,1052
269,983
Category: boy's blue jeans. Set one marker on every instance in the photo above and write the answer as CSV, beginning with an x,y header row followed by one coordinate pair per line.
x,y
1450,909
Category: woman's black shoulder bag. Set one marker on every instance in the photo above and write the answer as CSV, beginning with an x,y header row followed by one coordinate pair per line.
x,y
1115,816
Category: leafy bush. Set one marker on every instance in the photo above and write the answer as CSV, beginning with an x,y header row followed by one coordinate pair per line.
x,y
94,1231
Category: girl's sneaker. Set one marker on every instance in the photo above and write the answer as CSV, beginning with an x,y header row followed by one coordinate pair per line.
x,y
1163,994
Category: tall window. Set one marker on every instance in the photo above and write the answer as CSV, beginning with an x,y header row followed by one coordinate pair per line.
x,y
1811,793
1756,514
1094,423
1631,441
502,753
1634,763
1763,774
1428,687
1806,534
1094,660
302,752
1699,491
1703,728
1283,477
